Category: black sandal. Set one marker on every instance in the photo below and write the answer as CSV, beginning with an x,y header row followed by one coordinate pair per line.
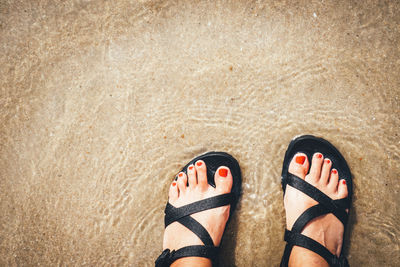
x,y
213,161
309,145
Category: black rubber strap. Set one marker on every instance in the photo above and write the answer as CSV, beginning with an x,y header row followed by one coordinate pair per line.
x,y
296,239
307,216
343,203
167,257
330,205
325,205
286,255
173,214
197,251
182,215
197,229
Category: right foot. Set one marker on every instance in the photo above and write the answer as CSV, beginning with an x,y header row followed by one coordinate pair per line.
x,y
326,229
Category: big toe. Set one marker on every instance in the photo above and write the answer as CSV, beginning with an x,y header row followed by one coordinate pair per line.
x,y
223,179
299,165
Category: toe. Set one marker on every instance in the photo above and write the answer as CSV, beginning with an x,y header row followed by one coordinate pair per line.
x,y
173,192
326,171
192,175
223,180
316,165
299,165
201,170
333,180
182,182
342,189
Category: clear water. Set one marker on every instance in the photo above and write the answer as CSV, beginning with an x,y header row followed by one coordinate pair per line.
x,y
103,102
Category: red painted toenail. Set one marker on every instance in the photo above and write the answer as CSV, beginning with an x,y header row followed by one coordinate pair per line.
x,y
334,171
319,155
173,184
300,159
223,172
199,163
328,161
181,174
191,168
344,182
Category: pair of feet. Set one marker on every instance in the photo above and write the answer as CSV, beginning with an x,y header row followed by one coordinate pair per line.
x,y
326,229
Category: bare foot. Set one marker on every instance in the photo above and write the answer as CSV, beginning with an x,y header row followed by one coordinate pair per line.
x,y
326,229
176,235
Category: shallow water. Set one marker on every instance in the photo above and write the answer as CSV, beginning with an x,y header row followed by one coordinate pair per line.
x,y
103,102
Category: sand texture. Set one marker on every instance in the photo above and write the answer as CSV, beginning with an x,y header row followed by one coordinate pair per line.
x,y
102,102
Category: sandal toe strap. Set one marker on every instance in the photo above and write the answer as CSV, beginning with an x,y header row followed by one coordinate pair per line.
x,y
173,214
326,204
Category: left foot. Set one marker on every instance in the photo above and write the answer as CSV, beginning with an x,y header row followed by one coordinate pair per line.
x,y
176,235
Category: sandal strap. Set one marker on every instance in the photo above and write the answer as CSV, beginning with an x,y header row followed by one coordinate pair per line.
x,y
297,239
325,205
343,203
182,215
337,208
307,216
173,214
197,229
167,257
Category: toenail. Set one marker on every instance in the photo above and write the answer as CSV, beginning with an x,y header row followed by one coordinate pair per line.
x,y
173,184
199,163
181,174
223,172
328,161
191,168
344,182
300,159
319,155
334,171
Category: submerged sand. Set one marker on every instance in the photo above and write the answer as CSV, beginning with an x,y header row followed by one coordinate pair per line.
x,y
102,102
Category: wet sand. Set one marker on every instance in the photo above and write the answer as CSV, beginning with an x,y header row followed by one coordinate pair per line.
x,y
102,102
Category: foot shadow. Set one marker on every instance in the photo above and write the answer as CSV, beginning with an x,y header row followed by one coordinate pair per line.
x,y
227,248
350,226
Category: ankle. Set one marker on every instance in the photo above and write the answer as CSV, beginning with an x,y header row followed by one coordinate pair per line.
x,y
302,257
192,261
329,237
